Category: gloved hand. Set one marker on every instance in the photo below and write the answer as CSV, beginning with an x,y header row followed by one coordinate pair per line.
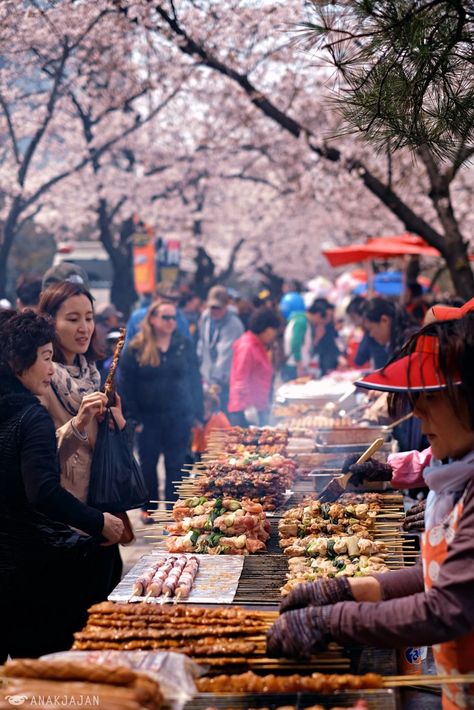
x,y
299,633
371,470
415,518
321,593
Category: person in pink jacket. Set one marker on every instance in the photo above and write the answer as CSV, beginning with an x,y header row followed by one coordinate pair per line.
x,y
251,372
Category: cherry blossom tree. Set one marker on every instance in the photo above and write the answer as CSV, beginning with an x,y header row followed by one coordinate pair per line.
x,y
235,41
71,90
207,121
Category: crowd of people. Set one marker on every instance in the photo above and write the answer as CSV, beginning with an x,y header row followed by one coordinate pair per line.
x,y
187,360
185,363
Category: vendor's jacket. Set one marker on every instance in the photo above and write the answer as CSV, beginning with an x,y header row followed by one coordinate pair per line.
x,y
428,604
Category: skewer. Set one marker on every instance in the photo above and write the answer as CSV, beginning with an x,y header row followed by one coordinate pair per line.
x,y
400,681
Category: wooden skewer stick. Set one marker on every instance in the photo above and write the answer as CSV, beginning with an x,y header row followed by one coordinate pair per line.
x,y
109,386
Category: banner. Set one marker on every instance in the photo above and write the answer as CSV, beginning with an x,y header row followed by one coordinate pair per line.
x,y
168,258
144,260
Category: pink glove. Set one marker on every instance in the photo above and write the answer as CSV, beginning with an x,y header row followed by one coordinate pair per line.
x,y
408,467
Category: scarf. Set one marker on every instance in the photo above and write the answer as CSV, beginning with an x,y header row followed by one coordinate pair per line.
x,y
446,483
71,382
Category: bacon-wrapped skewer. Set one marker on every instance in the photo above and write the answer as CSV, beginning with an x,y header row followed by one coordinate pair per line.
x,y
170,583
144,580
155,587
186,579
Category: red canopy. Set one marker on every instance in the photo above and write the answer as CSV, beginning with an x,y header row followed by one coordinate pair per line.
x,y
380,248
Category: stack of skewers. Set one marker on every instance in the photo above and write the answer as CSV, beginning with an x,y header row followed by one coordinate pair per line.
x,y
263,479
217,526
339,539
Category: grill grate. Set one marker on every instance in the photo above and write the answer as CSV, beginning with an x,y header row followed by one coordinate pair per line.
x,y
386,699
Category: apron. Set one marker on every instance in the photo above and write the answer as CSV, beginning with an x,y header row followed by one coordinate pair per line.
x,y
451,657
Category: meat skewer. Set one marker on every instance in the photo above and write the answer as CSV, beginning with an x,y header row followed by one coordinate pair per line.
x,y
186,579
169,585
155,587
145,579
109,386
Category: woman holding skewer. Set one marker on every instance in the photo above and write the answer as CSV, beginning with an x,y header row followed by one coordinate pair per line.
x,y
429,604
162,391
75,405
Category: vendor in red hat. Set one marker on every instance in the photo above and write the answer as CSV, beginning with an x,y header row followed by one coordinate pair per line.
x,y
431,603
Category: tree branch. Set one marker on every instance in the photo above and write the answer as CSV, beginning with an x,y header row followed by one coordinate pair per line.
x,y
387,196
115,209
49,114
11,128
85,161
29,218
229,270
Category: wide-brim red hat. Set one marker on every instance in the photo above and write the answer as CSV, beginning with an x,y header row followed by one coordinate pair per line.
x,y
416,372
451,313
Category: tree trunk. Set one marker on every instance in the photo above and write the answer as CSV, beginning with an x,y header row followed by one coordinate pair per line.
x,y
460,268
204,275
9,233
122,292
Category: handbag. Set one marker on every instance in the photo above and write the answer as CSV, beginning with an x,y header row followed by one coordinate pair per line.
x,y
116,482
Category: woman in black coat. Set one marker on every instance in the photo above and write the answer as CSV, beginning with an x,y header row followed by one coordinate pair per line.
x,y
43,579
162,391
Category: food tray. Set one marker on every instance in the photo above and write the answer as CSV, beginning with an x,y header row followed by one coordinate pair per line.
x,y
352,435
216,581
384,699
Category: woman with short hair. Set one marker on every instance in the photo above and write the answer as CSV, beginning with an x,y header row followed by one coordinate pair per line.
x,y
43,562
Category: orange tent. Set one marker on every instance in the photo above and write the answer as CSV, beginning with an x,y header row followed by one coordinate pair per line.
x,y
380,248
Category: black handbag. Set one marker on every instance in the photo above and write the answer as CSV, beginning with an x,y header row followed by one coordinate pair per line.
x,y
116,482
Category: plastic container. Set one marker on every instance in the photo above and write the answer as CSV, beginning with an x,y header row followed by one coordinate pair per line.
x,y
410,660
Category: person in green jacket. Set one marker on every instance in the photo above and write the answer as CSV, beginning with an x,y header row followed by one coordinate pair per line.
x,y
299,336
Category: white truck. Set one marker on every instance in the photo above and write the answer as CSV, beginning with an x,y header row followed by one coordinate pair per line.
x,y
92,257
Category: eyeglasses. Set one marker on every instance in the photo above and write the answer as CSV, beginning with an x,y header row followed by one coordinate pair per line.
x,y
216,308
165,317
